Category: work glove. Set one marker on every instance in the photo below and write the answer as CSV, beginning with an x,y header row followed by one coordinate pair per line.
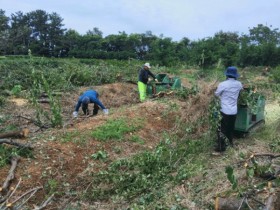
x,y
106,111
75,114
156,80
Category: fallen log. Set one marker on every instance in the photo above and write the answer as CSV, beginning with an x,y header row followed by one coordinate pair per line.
x,y
17,134
11,175
228,203
43,100
45,95
40,125
11,142
266,154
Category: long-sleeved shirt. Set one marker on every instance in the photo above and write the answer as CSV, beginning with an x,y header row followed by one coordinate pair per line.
x,y
144,75
228,92
93,98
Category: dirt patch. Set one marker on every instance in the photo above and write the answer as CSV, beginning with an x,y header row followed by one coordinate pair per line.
x,y
19,101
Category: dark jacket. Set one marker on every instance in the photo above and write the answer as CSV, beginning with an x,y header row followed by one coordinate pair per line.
x,y
93,98
144,75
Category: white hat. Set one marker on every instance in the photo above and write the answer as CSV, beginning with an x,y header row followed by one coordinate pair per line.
x,y
148,65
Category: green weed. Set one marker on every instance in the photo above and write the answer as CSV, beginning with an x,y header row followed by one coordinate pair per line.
x,y
2,101
117,149
7,152
231,177
114,129
51,186
75,137
16,90
141,178
137,139
100,155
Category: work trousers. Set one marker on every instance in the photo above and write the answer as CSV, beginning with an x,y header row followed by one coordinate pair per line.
x,y
86,111
142,88
225,131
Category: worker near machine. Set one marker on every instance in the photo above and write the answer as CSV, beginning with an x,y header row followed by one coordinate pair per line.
x,y
228,92
143,77
89,96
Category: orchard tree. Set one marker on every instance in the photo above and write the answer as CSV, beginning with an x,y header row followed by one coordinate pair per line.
x,y
260,47
55,34
4,27
228,47
163,52
183,50
95,31
261,35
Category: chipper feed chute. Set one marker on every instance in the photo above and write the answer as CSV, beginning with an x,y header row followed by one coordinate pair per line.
x,y
164,83
249,118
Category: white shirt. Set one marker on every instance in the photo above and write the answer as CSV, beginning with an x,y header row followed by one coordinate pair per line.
x,y
228,92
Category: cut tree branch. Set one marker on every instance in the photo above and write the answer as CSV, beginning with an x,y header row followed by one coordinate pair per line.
x,y
43,100
11,175
267,154
45,203
32,192
35,122
21,134
11,142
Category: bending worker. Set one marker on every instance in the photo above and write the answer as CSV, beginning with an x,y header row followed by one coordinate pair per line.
x,y
228,92
89,96
143,77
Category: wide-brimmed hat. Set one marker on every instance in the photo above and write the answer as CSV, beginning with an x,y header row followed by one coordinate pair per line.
x,y
85,100
232,71
148,65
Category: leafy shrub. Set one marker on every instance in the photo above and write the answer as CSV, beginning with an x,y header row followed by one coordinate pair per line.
x,y
185,92
275,74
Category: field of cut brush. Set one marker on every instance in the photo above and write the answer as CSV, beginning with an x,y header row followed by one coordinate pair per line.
x,y
151,155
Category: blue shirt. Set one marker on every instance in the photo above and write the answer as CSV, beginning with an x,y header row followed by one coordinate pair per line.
x,y
228,92
93,98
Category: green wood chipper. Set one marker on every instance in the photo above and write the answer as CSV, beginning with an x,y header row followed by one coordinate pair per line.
x,y
248,118
165,82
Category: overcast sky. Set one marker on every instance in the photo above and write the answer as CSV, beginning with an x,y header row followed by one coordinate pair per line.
x,y
194,19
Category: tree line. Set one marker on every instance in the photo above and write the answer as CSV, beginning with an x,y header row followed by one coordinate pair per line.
x,y
43,34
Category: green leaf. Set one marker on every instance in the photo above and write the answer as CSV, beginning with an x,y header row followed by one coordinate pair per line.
x,y
231,177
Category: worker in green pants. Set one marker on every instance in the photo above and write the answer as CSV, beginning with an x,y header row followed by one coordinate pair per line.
x,y
143,77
